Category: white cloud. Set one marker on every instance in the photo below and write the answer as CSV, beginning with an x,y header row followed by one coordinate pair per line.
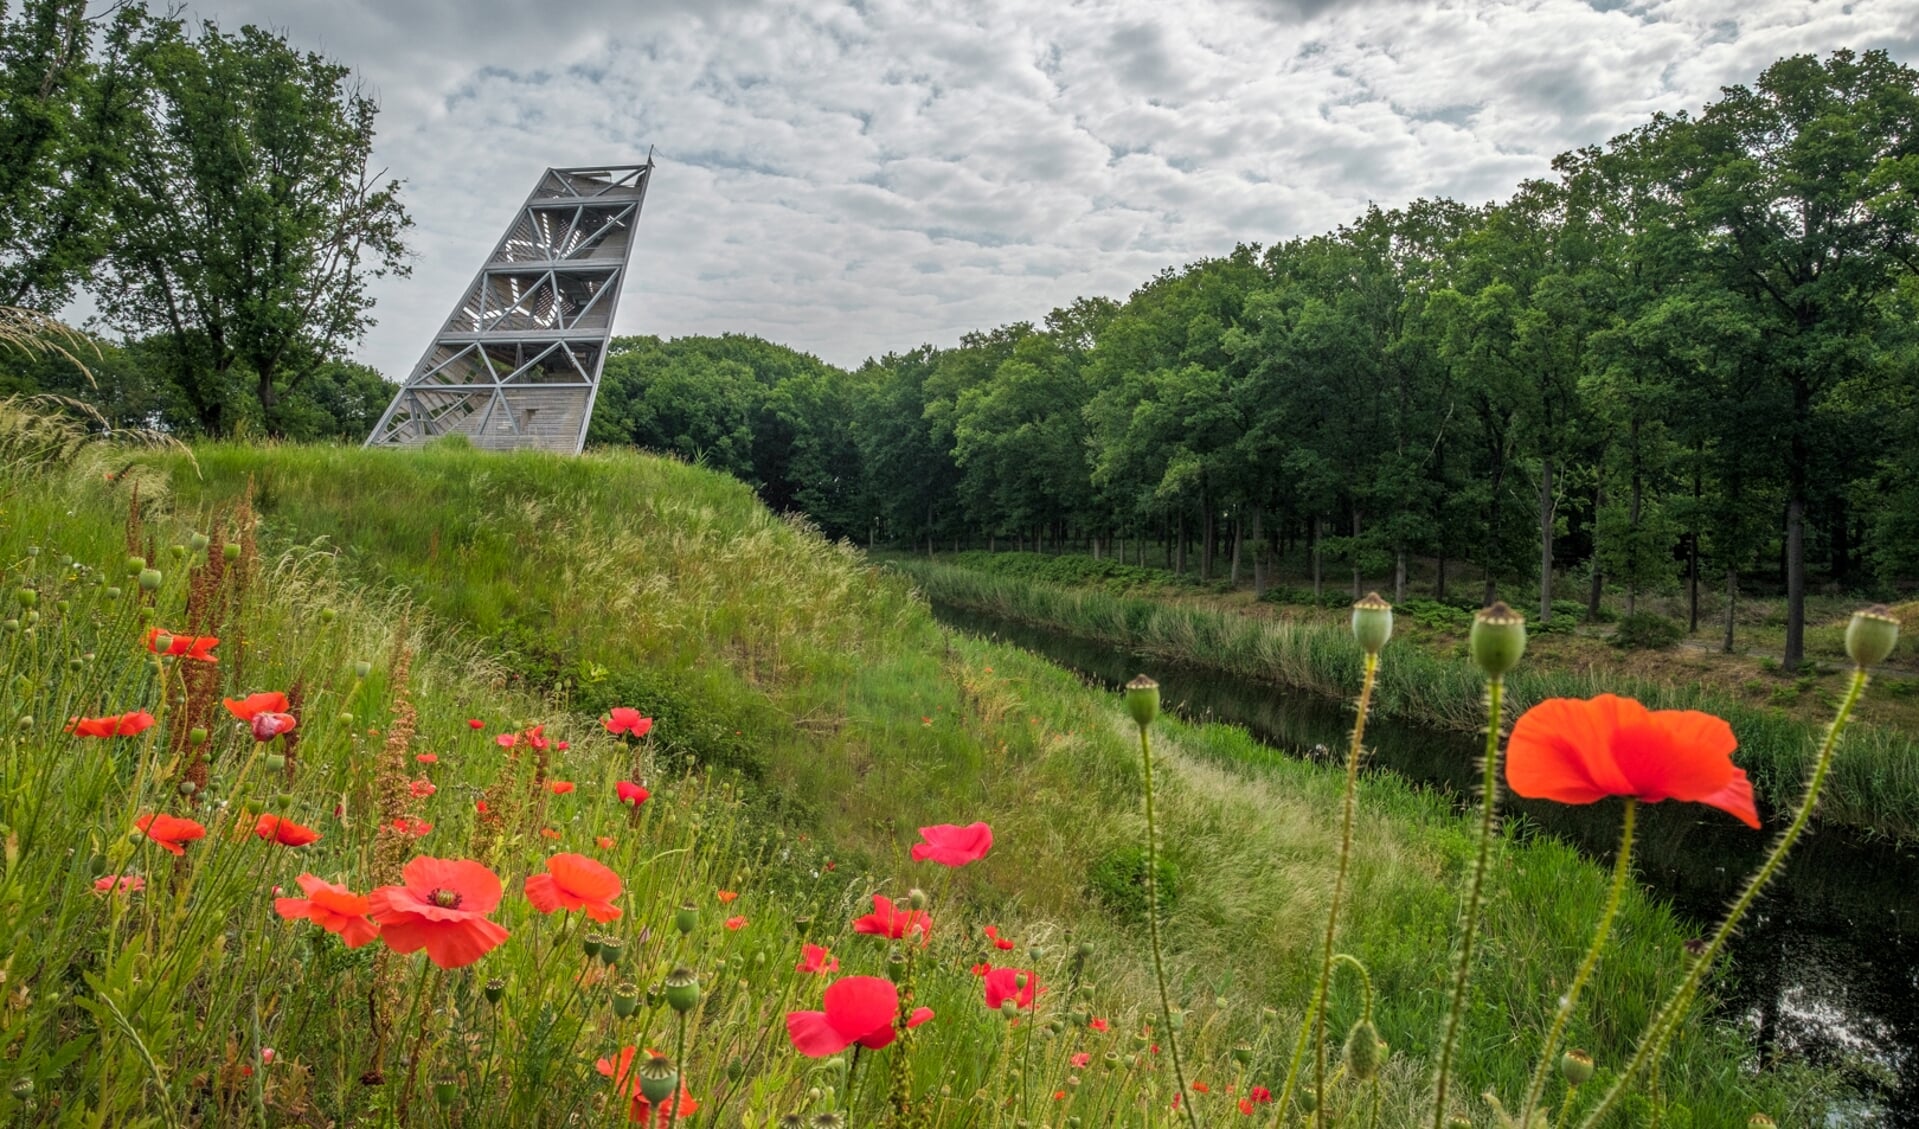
x,y
856,178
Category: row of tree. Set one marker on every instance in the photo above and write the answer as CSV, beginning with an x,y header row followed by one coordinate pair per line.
x,y
211,193
1688,355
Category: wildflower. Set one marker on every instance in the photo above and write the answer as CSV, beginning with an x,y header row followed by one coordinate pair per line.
x,y
575,882
559,787
413,827
475,723
1576,751
1098,1024
1260,1094
421,789
333,908
814,958
625,720
604,842
534,738
999,942
284,831
119,884
507,740
953,846
981,969
892,921
441,908
725,896
115,725
169,832
626,1081
859,1009
549,833
1004,984
1246,1106
1081,1060
630,793
427,758
265,713
1201,1088
736,923
198,647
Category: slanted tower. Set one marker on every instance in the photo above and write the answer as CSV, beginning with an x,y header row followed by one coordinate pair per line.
x,y
518,362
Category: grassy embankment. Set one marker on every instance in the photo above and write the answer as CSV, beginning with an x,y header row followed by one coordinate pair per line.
x,y
811,715
1874,786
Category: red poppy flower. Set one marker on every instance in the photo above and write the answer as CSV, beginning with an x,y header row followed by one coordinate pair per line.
x,y
1246,1106
549,833
559,787
116,725
949,845
441,908
981,969
1201,1088
284,831
813,958
333,908
421,789
475,723
427,758
604,842
1260,1094
1004,984
859,1009
999,942
736,923
119,884
893,921
630,793
626,1080
534,738
561,745
198,647
726,896
253,705
626,720
507,740
1081,1060
1576,751
575,882
1098,1024
168,832
413,827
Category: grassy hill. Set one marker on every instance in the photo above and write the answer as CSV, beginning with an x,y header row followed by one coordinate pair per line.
x,y
810,715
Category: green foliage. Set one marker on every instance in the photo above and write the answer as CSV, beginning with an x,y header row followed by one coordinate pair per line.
x,y
1071,569
1645,631
1118,880
701,722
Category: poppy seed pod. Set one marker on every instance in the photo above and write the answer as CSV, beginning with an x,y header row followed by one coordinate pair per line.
x,y
1871,635
150,579
1142,700
1362,1051
829,1120
27,597
896,966
610,950
197,735
1308,1101
176,551
1458,1121
658,1079
162,643
687,917
591,943
135,564
682,989
362,668
113,593
1243,1054
1009,1009
198,542
445,1092
1497,639
1760,1121
230,551
1576,1067
495,988
1372,623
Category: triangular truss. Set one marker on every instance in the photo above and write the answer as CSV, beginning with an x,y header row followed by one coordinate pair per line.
x,y
518,362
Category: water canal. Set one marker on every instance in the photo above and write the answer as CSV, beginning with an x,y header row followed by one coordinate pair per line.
x,y
1826,968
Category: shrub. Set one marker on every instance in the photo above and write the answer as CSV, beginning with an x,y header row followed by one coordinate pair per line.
x,y
1118,879
1644,631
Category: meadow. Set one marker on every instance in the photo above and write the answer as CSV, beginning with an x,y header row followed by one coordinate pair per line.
x,y
454,631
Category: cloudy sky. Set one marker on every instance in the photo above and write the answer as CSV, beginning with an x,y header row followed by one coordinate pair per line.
x,y
854,178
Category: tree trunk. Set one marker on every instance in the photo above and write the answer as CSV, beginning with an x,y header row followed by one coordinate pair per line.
x,y
1356,581
1206,542
1238,536
1732,601
1597,592
1179,567
1632,534
1795,583
1692,555
1399,577
1545,540
1317,523
1259,551
1439,582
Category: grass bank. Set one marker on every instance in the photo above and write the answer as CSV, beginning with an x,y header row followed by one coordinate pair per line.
x,y
810,715
1874,786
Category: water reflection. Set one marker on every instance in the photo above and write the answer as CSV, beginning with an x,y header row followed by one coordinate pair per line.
x,y
1826,968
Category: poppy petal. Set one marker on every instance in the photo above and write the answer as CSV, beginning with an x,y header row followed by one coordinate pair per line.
x,y
812,1035
1735,799
1660,765
1561,750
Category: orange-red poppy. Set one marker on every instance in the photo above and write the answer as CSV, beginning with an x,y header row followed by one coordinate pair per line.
x,y
736,923
726,897
1576,751
333,908
441,907
625,719
198,647
892,920
170,832
115,725
559,787
284,831
575,882
253,705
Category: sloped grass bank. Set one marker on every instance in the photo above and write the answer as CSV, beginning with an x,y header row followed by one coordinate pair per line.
x,y
844,717
1874,786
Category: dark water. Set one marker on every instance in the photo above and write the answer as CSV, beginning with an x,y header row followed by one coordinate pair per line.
x,y
1826,968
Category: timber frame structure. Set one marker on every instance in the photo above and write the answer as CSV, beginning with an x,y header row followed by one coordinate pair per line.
x,y
517,364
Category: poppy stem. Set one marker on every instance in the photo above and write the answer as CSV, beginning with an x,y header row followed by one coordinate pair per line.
x,y
1349,802
1152,931
1660,1031
852,1072
1475,891
1621,875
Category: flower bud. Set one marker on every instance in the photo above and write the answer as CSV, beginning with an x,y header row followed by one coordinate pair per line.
x,y
682,989
150,579
687,917
1576,1067
327,615
626,1000
1308,1101
1142,700
1871,635
658,1078
1362,1051
96,864
1497,639
495,988
1458,1121
1372,623
916,898
230,551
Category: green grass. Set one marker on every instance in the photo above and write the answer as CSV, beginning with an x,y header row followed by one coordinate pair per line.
x,y
811,715
1874,785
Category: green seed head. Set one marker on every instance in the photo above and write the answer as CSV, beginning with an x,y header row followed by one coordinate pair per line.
x,y
445,1092
495,988
327,615
658,1078
135,564
682,989
113,593
610,950
1760,1121
198,542
362,668
230,551
163,642
150,579
1576,1067
177,552
26,597
1243,1054
1142,700
686,918
1362,1051
1871,635
916,898
197,735
1497,640
1372,623
591,943
276,761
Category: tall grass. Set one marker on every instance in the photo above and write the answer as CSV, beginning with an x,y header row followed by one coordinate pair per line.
x,y
1874,787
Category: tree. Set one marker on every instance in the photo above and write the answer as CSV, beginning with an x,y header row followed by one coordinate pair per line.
x,y
247,223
